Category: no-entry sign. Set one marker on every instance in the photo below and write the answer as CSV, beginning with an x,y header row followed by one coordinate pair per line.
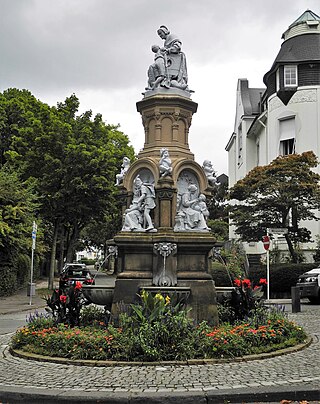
x,y
266,242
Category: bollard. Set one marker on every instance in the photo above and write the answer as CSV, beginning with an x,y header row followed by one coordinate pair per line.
x,y
31,290
295,298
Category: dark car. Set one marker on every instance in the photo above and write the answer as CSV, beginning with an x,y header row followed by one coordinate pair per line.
x,y
309,285
72,273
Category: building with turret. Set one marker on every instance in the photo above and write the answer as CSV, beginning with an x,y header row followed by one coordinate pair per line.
x,y
284,117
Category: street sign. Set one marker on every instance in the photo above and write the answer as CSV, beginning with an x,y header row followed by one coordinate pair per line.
x,y
266,242
278,230
34,235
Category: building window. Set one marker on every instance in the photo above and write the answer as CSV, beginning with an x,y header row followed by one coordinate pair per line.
x,y
240,144
290,76
286,147
287,131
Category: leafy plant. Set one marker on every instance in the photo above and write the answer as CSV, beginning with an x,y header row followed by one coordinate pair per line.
x,y
243,301
156,329
65,306
93,316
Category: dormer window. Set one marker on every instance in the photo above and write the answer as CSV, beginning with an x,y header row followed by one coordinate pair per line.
x,y
290,76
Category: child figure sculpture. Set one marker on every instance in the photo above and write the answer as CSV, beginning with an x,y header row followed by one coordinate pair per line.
x,y
124,168
165,163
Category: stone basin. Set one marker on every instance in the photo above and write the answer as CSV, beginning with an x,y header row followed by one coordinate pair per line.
x,y
99,294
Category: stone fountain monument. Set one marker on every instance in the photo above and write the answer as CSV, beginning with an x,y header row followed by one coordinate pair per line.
x,y
164,242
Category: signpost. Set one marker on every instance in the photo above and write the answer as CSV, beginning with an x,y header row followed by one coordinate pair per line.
x,y
266,245
31,284
278,231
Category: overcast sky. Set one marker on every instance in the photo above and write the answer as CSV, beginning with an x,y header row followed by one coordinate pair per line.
x,y
100,50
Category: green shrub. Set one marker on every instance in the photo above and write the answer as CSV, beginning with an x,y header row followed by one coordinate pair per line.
x,y
93,316
88,261
23,263
15,273
8,276
219,228
219,274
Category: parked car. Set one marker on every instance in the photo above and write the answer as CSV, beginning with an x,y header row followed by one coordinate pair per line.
x,y
72,273
309,285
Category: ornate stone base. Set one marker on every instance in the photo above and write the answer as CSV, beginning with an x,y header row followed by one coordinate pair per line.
x,y
141,265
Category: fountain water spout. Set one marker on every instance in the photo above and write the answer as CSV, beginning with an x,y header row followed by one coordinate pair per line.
x,y
164,249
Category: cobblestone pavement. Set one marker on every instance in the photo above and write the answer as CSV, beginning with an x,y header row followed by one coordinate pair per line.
x,y
298,369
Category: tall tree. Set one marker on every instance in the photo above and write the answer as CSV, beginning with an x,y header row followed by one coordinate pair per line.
x,y
73,160
280,194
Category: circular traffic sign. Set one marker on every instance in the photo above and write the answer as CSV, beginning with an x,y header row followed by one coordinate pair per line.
x,y
266,242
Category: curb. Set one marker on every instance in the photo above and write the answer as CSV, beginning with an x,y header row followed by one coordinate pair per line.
x,y
23,309
64,396
110,363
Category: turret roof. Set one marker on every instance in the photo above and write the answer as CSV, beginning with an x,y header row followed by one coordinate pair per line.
x,y
308,15
301,44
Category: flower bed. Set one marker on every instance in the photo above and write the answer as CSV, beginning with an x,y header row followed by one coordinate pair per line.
x,y
157,330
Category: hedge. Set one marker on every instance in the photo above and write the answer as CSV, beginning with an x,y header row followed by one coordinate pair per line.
x,y
15,273
282,276
87,261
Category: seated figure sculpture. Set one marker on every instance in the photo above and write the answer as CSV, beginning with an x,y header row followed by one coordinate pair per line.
x,y
124,168
165,163
192,212
133,217
170,66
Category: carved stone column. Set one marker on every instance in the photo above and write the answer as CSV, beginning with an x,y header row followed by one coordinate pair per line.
x,y
166,120
165,197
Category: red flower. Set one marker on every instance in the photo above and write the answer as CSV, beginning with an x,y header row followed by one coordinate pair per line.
x,y
246,283
63,299
237,282
263,281
78,285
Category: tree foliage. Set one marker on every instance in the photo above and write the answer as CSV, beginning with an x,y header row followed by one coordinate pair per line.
x,y
218,212
71,159
17,212
281,194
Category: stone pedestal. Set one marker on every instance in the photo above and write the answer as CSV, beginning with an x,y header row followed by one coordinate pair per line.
x,y
141,266
174,260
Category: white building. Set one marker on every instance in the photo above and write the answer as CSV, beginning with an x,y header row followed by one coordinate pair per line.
x,y
284,117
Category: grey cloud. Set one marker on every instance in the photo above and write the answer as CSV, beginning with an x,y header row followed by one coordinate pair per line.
x,y
106,43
